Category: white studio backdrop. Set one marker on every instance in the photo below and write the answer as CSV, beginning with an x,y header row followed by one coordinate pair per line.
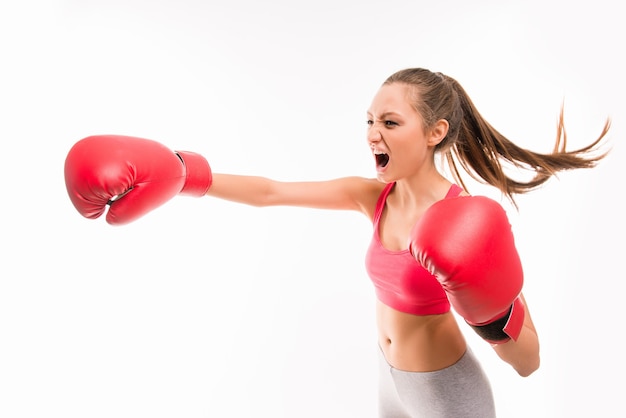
x,y
204,308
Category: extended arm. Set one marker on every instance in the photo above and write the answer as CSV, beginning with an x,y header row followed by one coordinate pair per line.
x,y
344,193
133,176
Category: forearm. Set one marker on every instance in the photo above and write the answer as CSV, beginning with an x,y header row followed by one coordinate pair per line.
x,y
250,190
523,354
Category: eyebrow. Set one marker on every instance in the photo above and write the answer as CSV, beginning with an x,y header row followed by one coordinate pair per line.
x,y
385,114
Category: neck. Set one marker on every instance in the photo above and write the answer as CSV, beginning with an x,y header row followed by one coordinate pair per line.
x,y
419,191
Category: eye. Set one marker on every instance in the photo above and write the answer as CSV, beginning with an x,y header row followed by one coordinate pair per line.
x,y
370,122
390,123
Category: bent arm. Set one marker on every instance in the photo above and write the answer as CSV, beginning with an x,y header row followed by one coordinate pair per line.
x,y
523,354
347,193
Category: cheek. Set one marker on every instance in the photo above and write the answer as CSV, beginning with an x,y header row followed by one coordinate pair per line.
x,y
413,146
413,154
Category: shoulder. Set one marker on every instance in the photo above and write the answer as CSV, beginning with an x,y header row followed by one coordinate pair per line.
x,y
365,192
350,193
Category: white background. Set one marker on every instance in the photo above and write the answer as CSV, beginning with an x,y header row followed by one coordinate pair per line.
x,y
204,308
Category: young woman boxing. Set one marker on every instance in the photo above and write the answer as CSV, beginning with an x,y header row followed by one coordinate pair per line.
x,y
433,245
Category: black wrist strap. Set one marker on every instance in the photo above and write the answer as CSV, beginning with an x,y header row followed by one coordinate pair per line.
x,y
494,331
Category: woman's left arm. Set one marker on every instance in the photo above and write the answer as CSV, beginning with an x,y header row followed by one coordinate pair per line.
x,y
523,354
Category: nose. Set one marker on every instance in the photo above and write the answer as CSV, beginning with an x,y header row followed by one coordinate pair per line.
x,y
373,135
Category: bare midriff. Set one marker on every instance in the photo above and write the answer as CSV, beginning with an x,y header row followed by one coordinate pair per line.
x,y
419,343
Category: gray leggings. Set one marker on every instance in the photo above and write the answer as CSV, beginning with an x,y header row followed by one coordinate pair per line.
x,y
461,390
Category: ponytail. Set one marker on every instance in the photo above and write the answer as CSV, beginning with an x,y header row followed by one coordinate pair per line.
x,y
480,150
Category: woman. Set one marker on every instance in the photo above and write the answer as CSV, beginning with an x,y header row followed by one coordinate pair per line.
x,y
433,245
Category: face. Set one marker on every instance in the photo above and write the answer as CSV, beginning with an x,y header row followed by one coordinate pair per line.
x,y
396,135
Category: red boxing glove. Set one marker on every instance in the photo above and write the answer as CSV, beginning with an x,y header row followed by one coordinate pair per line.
x,y
467,243
131,175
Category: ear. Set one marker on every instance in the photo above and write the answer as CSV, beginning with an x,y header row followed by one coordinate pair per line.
x,y
438,132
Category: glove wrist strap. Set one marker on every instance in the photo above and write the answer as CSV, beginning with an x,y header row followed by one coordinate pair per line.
x,y
198,176
505,328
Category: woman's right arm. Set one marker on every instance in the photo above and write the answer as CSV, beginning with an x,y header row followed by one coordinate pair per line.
x,y
346,193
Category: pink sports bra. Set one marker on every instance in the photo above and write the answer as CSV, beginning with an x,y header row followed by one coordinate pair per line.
x,y
400,282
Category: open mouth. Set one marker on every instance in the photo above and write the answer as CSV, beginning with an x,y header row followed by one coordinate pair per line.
x,y
382,160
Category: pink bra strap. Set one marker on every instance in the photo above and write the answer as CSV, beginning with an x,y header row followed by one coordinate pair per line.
x,y
454,191
381,202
